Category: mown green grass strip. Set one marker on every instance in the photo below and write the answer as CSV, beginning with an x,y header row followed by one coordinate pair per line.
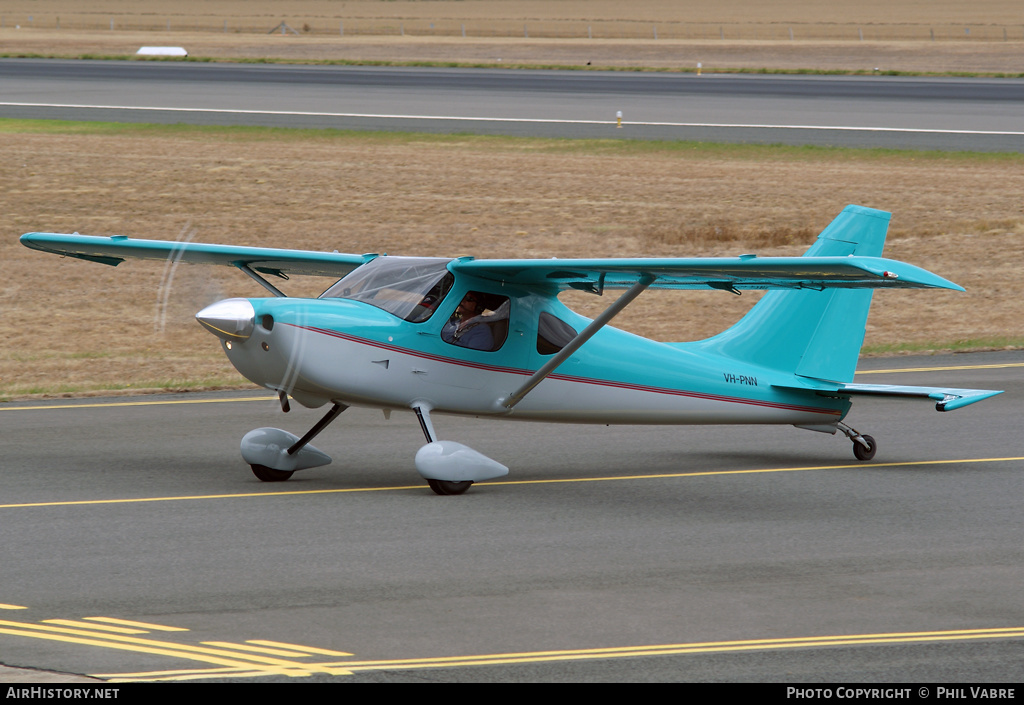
x,y
183,384
610,147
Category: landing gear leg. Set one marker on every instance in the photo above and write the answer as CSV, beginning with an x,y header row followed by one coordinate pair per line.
x,y
441,487
864,446
261,448
320,426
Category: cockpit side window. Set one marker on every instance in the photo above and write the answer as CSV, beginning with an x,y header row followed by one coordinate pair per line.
x,y
409,287
553,334
429,303
480,322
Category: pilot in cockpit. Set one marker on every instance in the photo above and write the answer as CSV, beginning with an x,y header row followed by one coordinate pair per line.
x,y
466,328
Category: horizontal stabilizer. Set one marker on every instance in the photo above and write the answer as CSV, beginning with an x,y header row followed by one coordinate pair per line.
x,y
946,398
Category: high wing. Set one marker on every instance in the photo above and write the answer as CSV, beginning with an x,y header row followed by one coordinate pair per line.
x,y
274,262
596,275
728,273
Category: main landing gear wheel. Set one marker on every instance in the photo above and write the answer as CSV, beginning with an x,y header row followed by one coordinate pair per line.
x,y
863,453
445,487
270,474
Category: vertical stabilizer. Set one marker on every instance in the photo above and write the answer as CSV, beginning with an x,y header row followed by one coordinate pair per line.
x,y
812,333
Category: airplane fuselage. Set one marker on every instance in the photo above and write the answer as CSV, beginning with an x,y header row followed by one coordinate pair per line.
x,y
337,350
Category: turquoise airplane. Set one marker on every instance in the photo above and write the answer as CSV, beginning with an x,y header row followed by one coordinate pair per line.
x,y
490,338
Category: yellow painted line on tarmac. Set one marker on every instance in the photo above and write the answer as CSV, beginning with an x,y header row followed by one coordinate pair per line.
x,y
98,627
949,368
522,657
218,656
208,496
172,650
162,402
614,478
691,648
308,649
757,471
12,607
138,625
291,653
193,674
696,648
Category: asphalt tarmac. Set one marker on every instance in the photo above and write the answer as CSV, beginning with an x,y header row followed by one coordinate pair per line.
x,y
137,545
853,111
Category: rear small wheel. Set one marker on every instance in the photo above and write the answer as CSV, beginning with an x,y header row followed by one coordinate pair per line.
x,y
863,453
270,474
444,487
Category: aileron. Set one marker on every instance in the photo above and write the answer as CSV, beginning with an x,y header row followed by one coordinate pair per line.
x,y
114,250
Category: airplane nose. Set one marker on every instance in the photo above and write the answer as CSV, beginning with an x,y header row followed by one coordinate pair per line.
x,y
230,319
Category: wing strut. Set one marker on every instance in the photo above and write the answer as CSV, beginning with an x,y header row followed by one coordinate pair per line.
x,y
260,280
562,355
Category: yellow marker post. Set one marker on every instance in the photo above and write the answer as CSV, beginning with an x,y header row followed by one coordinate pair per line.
x,y
698,68
618,119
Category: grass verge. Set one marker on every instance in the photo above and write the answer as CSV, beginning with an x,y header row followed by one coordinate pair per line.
x,y
596,147
938,347
142,386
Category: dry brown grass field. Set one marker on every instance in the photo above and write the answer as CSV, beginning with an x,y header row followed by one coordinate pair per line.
x,y
898,35
506,16
77,325
72,327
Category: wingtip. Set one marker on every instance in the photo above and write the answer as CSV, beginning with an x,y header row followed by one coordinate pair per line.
x,y
943,283
972,396
911,275
32,240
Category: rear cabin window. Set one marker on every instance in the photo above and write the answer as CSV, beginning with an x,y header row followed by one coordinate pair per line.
x,y
553,334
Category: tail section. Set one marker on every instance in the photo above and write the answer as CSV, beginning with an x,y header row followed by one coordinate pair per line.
x,y
812,333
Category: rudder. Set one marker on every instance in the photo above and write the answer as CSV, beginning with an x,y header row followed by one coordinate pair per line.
x,y
812,333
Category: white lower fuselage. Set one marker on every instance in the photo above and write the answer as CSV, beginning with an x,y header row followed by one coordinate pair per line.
x,y
659,383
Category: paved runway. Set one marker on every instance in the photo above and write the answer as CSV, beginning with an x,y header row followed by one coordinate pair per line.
x,y
855,111
622,553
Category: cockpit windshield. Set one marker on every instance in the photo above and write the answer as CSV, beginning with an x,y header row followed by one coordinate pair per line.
x,y
409,287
